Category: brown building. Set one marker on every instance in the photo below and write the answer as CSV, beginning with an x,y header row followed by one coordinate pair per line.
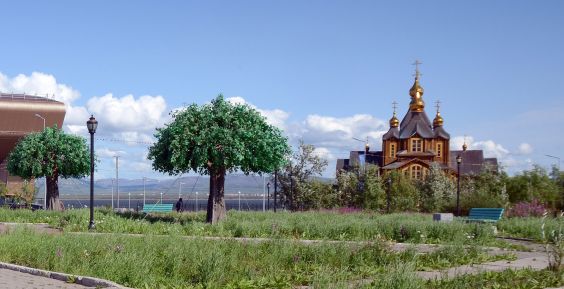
x,y
413,144
21,114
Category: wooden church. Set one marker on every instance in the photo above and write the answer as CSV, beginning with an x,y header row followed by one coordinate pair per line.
x,y
413,144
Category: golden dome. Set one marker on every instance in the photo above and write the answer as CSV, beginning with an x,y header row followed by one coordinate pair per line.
x,y
438,121
394,121
416,93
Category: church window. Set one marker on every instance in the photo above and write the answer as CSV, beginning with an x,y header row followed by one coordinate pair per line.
x,y
440,150
392,150
416,145
416,172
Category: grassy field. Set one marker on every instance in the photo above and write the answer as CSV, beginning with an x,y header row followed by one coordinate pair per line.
x,y
173,261
176,262
413,228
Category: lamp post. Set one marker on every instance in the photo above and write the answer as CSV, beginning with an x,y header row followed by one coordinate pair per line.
x,y
275,188
129,200
92,124
180,190
239,200
45,189
268,195
388,195
161,197
458,162
144,179
197,209
557,158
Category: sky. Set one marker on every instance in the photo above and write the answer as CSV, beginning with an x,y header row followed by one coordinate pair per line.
x,y
323,71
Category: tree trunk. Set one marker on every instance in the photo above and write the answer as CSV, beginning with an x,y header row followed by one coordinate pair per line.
x,y
216,202
53,201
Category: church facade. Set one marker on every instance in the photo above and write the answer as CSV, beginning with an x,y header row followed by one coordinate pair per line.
x,y
414,144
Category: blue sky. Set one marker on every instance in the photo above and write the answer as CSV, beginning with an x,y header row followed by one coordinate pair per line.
x,y
325,71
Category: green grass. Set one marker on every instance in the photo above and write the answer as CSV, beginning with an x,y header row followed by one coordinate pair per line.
x,y
413,228
177,262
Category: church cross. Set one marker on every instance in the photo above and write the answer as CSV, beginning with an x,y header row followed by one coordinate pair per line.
x,y
394,105
417,63
438,105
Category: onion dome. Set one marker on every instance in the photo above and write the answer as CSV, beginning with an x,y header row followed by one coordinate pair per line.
x,y
416,93
464,147
394,121
438,121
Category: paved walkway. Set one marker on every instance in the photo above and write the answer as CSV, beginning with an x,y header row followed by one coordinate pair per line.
x,y
10,279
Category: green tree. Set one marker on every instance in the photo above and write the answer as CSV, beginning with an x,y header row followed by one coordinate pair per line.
x,y
483,190
303,166
403,193
51,154
436,190
534,184
214,139
361,187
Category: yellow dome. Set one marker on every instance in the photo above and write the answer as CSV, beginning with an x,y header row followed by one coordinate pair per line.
x,y
394,121
438,121
416,93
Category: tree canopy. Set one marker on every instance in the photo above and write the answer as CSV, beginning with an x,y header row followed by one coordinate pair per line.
x,y
216,138
52,154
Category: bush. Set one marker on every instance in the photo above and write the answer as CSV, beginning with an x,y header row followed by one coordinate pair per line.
x,y
533,208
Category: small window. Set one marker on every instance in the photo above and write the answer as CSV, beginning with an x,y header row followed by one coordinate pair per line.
x,y
392,150
416,145
416,172
440,150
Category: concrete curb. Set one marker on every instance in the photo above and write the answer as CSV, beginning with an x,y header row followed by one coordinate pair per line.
x,y
82,280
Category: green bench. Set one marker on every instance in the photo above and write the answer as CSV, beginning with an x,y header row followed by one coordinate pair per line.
x,y
157,208
485,215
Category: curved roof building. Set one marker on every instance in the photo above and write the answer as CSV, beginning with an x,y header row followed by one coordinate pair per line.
x,y
21,114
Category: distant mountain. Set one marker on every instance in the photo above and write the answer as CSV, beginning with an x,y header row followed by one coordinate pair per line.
x,y
234,183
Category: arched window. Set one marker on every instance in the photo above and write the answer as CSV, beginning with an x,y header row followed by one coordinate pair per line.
x,y
416,172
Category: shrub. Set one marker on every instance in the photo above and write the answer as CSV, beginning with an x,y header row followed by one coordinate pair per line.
x,y
533,208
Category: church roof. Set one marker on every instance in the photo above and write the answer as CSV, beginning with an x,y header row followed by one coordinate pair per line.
x,y
439,131
472,161
393,132
415,122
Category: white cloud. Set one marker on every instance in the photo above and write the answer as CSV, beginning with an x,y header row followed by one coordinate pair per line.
x,y
525,148
40,84
275,117
491,149
127,114
109,153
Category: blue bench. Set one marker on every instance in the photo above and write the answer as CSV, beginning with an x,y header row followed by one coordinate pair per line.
x,y
157,208
485,215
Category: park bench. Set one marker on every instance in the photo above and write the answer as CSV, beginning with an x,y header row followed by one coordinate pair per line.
x,y
485,215
157,208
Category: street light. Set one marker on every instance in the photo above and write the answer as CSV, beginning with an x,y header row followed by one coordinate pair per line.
x,y
197,209
45,189
555,158
388,195
239,200
268,194
161,197
92,124
180,190
129,203
458,162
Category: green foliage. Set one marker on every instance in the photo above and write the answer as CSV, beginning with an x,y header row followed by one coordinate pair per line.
x,y
436,191
219,136
50,153
533,184
484,190
3,190
403,193
508,279
361,188
26,193
295,181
